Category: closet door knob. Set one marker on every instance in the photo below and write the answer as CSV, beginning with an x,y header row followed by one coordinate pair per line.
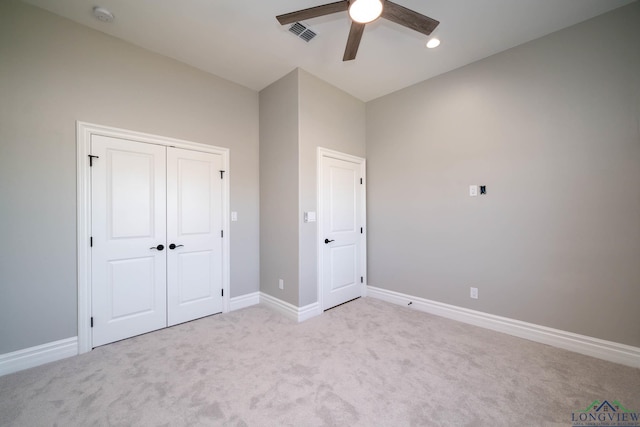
x,y
173,246
327,241
159,247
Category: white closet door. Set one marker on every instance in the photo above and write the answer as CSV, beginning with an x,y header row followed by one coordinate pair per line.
x,y
194,234
128,258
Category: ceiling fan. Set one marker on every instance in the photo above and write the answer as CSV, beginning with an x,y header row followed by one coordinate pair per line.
x,y
361,13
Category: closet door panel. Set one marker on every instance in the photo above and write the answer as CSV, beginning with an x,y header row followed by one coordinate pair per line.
x,y
128,260
194,233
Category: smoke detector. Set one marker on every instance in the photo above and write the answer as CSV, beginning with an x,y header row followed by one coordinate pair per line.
x,y
102,14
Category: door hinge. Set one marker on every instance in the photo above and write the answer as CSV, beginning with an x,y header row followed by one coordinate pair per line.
x,y
222,292
221,174
360,181
91,241
222,233
91,157
361,279
360,230
92,322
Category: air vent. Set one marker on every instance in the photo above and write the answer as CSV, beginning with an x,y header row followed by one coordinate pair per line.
x,y
307,35
303,32
297,28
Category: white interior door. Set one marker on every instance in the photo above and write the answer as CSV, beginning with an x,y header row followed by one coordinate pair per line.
x,y
194,234
128,257
342,239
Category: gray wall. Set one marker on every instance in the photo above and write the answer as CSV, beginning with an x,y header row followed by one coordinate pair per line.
x,y
279,188
333,119
298,113
552,128
54,72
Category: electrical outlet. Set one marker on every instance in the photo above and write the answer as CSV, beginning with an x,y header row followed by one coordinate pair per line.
x,y
281,284
473,190
474,293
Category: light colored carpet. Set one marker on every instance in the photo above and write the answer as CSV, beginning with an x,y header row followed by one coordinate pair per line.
x,y
366,363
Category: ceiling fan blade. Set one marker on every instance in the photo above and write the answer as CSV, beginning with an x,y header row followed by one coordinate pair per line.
x,y
408,18
353,42
313,12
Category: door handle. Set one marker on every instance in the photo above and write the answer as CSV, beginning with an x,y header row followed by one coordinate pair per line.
x,y
327,241
159,247
173,246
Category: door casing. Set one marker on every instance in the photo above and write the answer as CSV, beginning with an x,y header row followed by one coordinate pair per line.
x,y
84,131
323,153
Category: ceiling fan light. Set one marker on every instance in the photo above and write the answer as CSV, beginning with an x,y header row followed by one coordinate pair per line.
x,y
365,11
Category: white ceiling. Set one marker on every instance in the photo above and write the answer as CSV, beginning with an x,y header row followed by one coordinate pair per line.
x,y
241,41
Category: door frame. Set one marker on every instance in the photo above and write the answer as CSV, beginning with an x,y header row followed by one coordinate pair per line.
x,y
84,131
322,154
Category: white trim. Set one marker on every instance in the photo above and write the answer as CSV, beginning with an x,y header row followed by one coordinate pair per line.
x,y
84,131
298,314
243,301
38,355
327,153
83,219
595,347
309,311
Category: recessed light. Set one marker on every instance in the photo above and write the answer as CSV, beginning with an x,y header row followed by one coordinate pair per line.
x,y
102,14
434,42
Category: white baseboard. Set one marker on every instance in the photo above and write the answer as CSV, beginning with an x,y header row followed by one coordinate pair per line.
x,y
243,301
309,311
299,314
606,350
38,355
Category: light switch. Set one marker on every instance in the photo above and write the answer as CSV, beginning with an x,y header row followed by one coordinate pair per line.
x,y
309,217
473,190
234,216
